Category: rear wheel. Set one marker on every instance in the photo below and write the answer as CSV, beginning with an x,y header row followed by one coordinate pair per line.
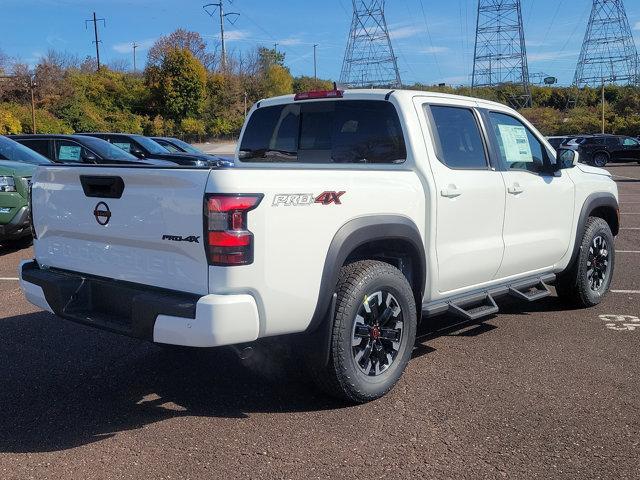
x,y
600,159
588,280
373,333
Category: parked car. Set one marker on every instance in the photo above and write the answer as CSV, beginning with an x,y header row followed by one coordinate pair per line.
x,y
17,165
349,218
176,145
144,147
599,150
557,142
80,149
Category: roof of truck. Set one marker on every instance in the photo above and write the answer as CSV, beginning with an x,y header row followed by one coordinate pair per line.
x,y
384,93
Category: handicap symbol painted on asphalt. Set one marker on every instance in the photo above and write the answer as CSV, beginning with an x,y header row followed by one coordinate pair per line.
x,y
621,323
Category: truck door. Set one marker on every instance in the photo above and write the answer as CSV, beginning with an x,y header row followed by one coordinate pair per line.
x,y
539,209
469,198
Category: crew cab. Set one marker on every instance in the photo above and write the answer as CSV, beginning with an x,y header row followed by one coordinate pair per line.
x,y
348,218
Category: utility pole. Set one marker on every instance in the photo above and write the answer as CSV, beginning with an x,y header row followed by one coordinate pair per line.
x,y
211,12
32,86
245,104
315,65
95,33
603,105
135,45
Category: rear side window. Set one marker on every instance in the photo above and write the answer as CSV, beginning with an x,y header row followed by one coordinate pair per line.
x,y
457,138
40,146
346,131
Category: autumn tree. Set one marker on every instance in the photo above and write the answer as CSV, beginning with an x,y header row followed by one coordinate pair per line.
x,y
178,85
182,39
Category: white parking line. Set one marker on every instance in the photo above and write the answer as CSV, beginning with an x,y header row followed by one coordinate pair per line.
x,y
626,291
625,213
630,228
627,251
628,178
9,279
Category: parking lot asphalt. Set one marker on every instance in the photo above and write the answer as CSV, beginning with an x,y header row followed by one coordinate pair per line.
x,y
537,391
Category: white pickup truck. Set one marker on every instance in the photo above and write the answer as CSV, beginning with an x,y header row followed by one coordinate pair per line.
x,y
349,216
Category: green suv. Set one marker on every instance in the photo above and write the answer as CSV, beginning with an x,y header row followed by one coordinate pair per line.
x,y
17,165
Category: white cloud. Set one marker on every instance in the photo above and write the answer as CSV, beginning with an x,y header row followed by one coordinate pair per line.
x,y
235,35
434,50
636,26
549,56
287,42
405,32
128,46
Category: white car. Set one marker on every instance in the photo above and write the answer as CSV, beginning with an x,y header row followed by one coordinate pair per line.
x,y
349,217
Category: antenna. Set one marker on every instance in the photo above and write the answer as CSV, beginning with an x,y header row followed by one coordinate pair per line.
x,y
500,55
97,41
608,52
369,60
231,17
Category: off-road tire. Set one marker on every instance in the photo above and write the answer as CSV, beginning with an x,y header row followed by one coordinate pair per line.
x,y
341,377
573,285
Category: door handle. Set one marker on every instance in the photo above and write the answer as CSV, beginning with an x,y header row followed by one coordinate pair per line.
x,y
450,191
515,189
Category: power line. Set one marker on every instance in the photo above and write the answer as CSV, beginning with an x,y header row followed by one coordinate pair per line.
x,y
97,41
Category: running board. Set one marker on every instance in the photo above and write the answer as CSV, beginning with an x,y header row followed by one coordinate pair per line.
x,y
476,310
479,303
530,293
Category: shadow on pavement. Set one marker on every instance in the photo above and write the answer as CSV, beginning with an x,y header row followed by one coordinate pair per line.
x,y
64,385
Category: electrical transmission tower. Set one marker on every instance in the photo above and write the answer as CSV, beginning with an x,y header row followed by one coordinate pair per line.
x,y
231,17
369,60
500,55
608,52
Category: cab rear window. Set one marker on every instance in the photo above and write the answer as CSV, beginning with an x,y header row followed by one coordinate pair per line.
x,y
346,131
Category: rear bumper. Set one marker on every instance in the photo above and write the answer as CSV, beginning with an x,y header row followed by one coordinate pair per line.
x,y
18,226
139,311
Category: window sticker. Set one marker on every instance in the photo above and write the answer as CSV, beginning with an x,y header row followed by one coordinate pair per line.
x,y
515,143
123,146
69,152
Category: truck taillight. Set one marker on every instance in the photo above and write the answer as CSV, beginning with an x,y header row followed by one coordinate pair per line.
x,y
229,241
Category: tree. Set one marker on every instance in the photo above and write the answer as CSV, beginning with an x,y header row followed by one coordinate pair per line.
x,y
308,84
277,81
9,124
182,40
178,85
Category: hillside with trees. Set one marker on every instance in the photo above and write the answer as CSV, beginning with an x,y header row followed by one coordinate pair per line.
x,y
184,92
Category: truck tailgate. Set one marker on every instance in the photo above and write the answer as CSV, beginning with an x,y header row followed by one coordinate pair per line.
x,y
141,225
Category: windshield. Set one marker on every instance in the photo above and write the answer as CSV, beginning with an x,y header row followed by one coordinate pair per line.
x,y
107,150
10,150
150,145
187,147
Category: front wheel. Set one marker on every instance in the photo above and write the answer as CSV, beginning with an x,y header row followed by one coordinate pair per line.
x,y
373,333
587,281
600,160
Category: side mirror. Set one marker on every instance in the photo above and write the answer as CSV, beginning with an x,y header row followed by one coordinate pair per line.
x,y
566,158
89,157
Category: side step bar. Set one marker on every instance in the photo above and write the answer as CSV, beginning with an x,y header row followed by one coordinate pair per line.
x,y
474,305
530,293
474,311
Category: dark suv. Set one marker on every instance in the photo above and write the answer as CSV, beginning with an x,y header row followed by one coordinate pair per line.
x,y
144,147
79,149
599,150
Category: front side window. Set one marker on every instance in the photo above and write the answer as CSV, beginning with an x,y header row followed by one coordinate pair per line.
x,y
346,131
457,137
518,148
41,146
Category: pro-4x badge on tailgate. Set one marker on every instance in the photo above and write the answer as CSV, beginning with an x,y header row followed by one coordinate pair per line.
x,y
295,199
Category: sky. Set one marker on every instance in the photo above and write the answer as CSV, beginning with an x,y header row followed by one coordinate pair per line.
x,y
433,39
